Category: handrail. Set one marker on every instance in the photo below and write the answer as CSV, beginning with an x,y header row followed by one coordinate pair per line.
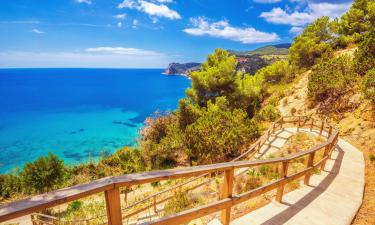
x,y
110,185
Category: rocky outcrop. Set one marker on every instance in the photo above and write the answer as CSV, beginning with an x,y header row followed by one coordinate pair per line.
x,y
250,64
181,68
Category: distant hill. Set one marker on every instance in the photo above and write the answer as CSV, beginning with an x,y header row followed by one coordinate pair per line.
x,y
279,49
248,61
181,68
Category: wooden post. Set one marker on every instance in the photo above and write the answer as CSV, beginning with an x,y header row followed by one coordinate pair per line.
x,y
259,146
113,205
284,173
312,124
226,192
326,151
310,163
281,122
330,131
321,128
154,203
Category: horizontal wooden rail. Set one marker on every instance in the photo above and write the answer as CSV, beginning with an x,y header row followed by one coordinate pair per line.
x,y
111,185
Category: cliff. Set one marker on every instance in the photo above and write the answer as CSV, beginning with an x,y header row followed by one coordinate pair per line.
x,y
181,68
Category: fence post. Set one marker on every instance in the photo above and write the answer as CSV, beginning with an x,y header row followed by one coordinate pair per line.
x,y
326,151
312,124
284,173
321,128
330,132
154,203
113,205
226,192
281,122
310,163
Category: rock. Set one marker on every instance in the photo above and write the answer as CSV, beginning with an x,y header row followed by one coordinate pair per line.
x,y
181,68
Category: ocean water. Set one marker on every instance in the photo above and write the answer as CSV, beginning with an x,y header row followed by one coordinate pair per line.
x,y
78,114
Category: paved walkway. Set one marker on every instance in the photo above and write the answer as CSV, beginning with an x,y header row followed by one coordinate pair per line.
x,y
332,198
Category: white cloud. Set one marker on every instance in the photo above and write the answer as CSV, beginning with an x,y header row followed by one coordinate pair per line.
x,y
150,8
88,2
308,15
119,24
122,51
127,4
37,31
135,23
296,30
222,29
267,1
21,59
163,1
120,16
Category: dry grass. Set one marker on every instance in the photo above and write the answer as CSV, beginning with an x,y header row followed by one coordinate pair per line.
x,y
359,129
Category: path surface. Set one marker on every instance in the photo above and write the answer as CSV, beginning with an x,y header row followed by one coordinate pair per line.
x,y
332,198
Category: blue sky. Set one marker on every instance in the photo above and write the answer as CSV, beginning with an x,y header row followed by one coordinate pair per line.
x,y
146,33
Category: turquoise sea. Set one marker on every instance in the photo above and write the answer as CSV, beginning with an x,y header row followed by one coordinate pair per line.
x,y
78,114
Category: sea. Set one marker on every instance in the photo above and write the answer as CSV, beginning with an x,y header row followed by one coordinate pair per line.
x,y
78,114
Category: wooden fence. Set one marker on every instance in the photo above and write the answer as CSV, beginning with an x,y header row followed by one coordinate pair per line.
x,y
111,185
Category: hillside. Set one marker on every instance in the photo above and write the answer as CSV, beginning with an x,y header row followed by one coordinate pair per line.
x,y
279,49
247,61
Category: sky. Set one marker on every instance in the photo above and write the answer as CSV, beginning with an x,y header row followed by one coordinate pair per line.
x,y
146,33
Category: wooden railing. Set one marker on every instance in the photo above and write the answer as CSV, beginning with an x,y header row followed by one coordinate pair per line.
x,y
111,185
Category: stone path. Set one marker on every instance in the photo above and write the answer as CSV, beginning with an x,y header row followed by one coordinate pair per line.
x,y
332,198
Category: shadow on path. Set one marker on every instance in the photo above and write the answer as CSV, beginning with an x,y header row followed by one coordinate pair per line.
x,y
288,213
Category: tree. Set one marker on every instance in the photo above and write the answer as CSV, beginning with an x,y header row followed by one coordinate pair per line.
x,y
330,78
43,174
357,20
364,57
219,134
216,78
277,72
312,43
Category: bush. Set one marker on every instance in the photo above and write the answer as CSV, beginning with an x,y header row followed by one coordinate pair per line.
x,y
277,72
311,44
43,174
182,200
368,86
364,57
219,133
330,78
9,185
269,113
128,160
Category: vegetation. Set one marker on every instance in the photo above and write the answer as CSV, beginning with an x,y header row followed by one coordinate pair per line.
x,y
43,174
368,86
224,111
332,77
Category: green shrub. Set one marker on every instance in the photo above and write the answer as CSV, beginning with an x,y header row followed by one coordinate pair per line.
x,y
269,113
277,72
9,185
128,160
43,174
181,200
331,77
311,44
368,86
219,133
74,206
364,57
